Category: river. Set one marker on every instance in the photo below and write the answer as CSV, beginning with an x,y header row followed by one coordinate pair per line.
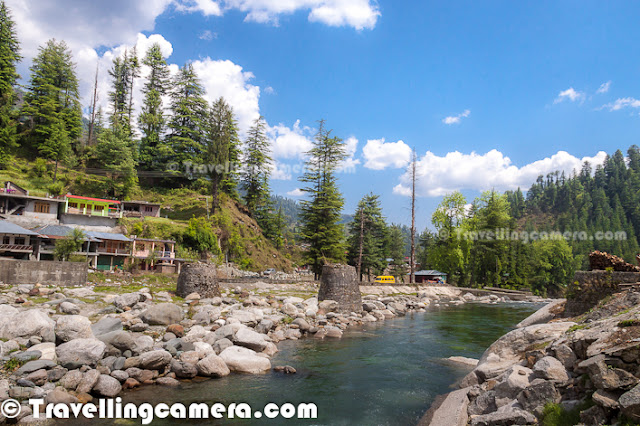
x,y
385,373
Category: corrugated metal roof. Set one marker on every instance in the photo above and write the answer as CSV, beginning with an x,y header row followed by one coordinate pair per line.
x,y
62,231
430,272
108,236
7,227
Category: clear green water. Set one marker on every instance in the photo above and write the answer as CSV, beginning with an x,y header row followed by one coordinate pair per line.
x,y
380,374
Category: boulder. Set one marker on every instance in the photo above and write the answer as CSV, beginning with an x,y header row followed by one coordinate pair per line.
x,y
69,308
126,300
513,381
212,366
630,402
47,351
264,326
245,317
162,314
290,309
27,324
549,368
88,381
198,278
221,345
154,360
60,396
71,327
605,399
106,325
302,324
79,352
206,315
244,360
71,380
453,410
38,377
121,340
32,366
544,314
538,394
183,370
250,339
167,381
107,386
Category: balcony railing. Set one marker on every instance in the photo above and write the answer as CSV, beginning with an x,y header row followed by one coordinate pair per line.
x,y
99,213
109,250
15,247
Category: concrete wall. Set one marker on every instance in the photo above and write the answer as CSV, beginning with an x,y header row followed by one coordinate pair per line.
x,y
32,220
46,273
86,221
589,287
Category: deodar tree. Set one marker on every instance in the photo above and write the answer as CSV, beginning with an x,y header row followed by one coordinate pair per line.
x,y
368,241
9,58
321,213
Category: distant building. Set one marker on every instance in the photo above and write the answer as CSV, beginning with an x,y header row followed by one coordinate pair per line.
x,y
140,209
51,233
17,242
88,211
156,255
17,206
431,275
112,250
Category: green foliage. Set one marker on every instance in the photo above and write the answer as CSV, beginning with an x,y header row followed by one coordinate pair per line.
x,y
9,58
368,233
255,178
65,247
56,188
321,215
52,102
114,154
552,265
199,236
556,415
396,250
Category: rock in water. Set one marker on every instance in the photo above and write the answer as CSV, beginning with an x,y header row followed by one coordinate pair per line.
x,y
198,278
340,283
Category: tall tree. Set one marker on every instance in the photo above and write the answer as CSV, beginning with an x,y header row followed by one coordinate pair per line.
x,y
396,251
321,214
52,101
257,168
188,118
368,242
152,118
9,58
113,153
221,153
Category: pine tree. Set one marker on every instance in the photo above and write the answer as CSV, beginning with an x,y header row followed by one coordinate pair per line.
x,y
52,96
367,244
152,118
257,168
9,58
221,155
396,251
189,118
57,146
113,153
321,214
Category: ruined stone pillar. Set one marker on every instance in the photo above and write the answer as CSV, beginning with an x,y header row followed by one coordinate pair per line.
x,y
198,278
340,283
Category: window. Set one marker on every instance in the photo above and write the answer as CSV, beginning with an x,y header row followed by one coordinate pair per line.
x,y
19,241
41,207
98,208
6,240
73,205
148,209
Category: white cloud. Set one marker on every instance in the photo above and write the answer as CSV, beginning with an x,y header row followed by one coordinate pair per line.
x,y
280,171
440,175
621,103
379,154
290,142
269,90
350,162
208,35
456,119
570,94
207,7
604,87
296,193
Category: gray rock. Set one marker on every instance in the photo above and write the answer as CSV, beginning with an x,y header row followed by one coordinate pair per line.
x,y
107,386
453,410
485,403
38,377
605,399
207,314
250,339
514,416
264,326
154,360
290,309
183,370
26,324
245,317
614,379
121,340
21,392
26,355
106,325
221,345
212,366
565,355
71,380
302,323
47,350
538,394
244,360
549,368
167,381
126,300
630,402
162,314
32,366
69,308
120,375
60,396
198,278
595,415
89,379
513,381
79,352
56,373
73,327
544,314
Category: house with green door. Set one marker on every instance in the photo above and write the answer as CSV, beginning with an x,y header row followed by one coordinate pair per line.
x,y
88,211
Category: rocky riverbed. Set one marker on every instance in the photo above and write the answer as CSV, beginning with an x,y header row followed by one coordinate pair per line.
x,y
77,344
583,370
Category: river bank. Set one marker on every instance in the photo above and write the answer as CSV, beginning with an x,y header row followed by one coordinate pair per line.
x,y
553,369
74,344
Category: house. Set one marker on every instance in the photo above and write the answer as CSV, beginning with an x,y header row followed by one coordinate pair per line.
x,y
156,255
17,206
88,211
113,250
430,276
51,233
16,241
140,209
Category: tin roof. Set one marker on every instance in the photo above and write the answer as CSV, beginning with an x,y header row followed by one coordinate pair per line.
x,y
7,227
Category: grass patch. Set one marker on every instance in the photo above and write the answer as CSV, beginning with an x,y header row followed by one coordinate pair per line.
x,y
629,323
556,415
576,328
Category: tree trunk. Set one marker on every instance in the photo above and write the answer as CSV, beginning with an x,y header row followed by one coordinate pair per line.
x,y
412,277
361,244
215,190
55,172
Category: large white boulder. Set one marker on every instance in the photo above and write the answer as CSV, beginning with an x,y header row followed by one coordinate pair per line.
x,y
243,360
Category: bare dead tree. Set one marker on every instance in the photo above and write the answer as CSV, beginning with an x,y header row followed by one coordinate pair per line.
x,y
413,218
93,107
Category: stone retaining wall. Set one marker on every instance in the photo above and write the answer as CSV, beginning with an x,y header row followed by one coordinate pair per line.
x,y
17,272
589,287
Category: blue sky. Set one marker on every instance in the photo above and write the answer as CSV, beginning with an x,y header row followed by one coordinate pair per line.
x,y
490,94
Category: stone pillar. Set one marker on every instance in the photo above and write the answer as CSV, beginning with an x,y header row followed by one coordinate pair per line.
x,y
340,283
198,278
